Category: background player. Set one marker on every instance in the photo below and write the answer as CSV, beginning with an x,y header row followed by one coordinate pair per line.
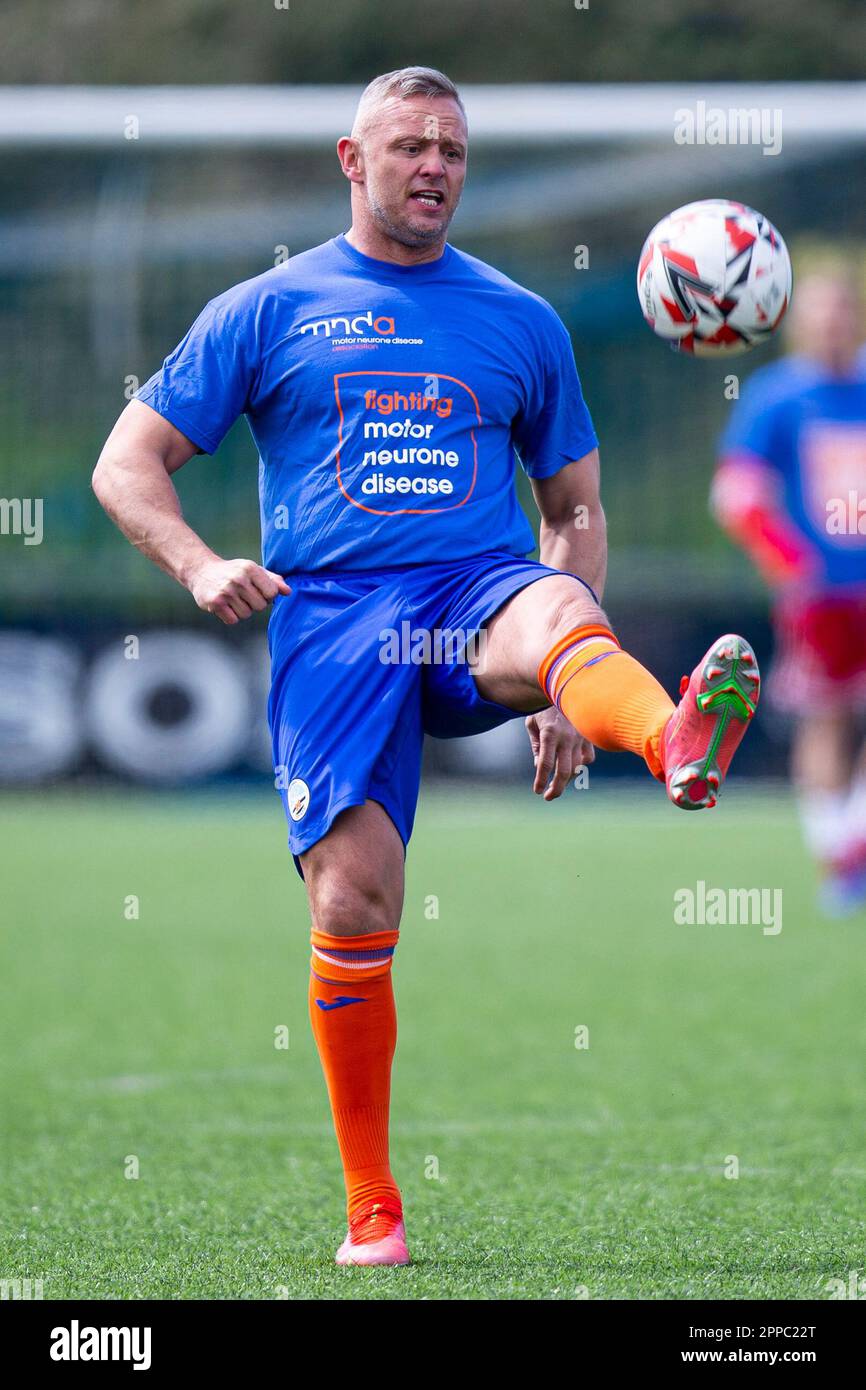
x,y
388,381
791,490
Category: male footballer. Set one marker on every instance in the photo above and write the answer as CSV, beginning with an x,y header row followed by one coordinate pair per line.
x,y
391,384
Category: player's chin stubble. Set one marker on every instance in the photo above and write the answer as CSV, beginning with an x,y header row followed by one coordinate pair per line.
x,y
403,229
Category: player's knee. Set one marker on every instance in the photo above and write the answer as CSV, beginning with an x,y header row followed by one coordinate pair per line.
x,y
347,908
572,607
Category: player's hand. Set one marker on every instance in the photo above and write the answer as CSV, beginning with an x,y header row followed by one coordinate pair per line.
x,y
234,589
559,751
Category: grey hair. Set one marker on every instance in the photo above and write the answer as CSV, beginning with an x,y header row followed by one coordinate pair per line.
x,y
403,82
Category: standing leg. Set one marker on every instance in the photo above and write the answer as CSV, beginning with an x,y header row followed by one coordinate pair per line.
x,y
818,678
822,753
354,879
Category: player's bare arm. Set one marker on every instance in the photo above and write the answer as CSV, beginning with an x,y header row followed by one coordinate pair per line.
x,y
573,534
132,481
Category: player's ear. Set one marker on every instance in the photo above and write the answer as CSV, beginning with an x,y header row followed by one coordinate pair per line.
x,y
351,158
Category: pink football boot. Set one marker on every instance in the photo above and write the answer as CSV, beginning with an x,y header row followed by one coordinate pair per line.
x,y
387,1249
704,731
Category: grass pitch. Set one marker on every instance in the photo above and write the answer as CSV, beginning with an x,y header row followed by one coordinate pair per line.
x,y
530,1167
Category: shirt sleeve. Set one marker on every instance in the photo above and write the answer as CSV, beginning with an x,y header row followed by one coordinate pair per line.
x,y
204,385
554,427
748,491
756,428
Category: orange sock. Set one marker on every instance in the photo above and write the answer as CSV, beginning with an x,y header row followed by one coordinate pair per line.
x,y
355,1027
614,701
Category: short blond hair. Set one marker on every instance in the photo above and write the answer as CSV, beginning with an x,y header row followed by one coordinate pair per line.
x,y
403,82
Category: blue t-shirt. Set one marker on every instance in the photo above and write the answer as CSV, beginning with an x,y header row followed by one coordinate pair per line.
x,y
388,404
810,429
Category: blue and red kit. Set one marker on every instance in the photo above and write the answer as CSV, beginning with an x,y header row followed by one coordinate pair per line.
x,y
791,487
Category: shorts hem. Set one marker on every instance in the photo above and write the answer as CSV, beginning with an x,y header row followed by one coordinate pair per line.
x,y
481,715
344,804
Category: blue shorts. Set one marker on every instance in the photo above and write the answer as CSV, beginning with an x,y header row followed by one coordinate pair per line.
x,y
353,690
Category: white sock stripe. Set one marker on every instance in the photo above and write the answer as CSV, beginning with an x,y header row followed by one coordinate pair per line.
x,y
556,668
349,964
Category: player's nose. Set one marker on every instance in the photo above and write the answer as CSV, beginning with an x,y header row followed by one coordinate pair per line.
x,y
433,164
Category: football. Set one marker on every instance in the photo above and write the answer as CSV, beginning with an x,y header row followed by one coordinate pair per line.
x,y
714,278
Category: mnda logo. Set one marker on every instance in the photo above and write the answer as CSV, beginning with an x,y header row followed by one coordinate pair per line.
x,y
382,327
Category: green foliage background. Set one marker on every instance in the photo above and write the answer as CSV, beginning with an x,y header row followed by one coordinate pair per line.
x,y
474,40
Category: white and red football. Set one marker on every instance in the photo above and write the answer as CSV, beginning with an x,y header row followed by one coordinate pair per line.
x,y
714,277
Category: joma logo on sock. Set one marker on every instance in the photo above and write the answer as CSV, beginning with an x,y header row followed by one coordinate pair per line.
x,y
77,1343
721,907
341,1001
